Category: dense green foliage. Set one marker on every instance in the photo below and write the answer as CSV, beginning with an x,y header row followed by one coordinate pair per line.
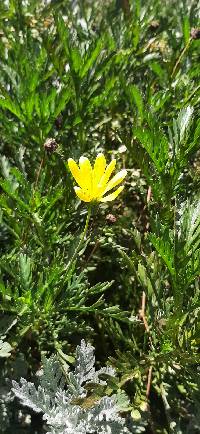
x,y
119,77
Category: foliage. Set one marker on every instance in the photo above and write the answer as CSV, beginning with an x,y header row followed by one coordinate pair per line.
x,y
62,408
81,79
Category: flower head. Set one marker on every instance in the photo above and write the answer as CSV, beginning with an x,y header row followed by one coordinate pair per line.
x,y
95,182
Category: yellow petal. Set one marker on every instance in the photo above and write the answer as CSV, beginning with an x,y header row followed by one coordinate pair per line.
x,y
113,195
74,169
105,178
119,177
82,194
86,175
99,168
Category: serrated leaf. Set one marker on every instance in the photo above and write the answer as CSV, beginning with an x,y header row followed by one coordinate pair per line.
x,y
91,58
156,145
72,408
136,97
165,249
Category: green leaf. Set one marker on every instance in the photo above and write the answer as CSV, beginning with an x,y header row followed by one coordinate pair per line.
x,y
76,60
165,249
136,97
91,58
144,279
25,271
156,145
7,103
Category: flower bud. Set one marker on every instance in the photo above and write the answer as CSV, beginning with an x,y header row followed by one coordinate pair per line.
x,y
111,219
195,33
50,145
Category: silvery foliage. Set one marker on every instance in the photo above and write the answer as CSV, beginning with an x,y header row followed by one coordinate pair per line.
x,y
57,403
5,398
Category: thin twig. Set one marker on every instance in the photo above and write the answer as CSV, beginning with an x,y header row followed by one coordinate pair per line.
x,y
181,56
149,193
146,326
38,175
93,251
149,381
142,312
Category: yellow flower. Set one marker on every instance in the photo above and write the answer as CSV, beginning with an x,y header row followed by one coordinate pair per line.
x,y
95,182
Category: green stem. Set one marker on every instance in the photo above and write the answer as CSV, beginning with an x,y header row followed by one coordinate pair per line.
x,y
81,240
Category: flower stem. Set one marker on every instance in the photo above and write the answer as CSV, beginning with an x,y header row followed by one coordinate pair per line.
x,y
81,240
